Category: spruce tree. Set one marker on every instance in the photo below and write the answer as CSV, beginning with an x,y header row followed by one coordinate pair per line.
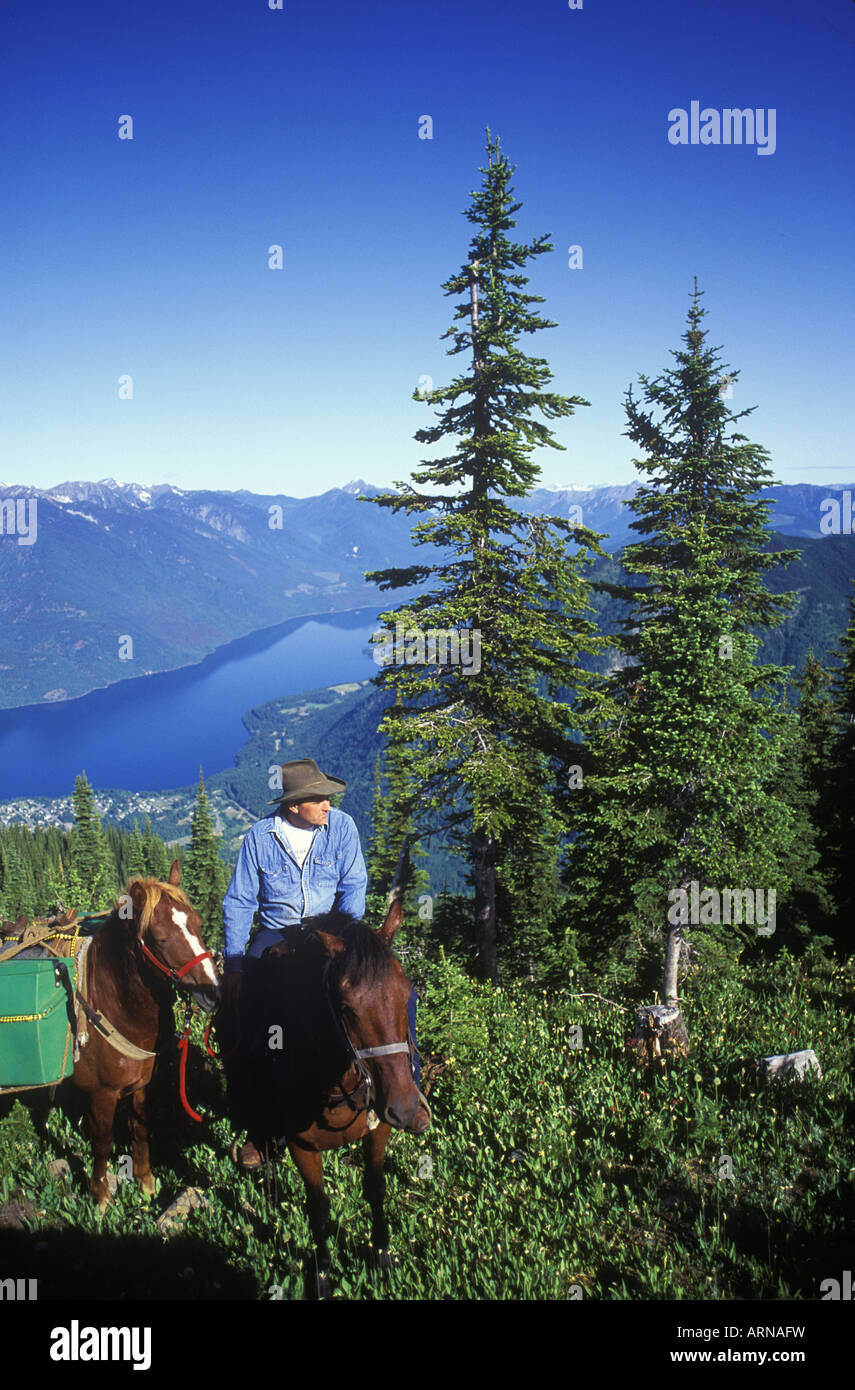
x,y
487,750
838,805
90,859
155,854
136,854
19,895
686,767
803,778
698,465
392,823
204,873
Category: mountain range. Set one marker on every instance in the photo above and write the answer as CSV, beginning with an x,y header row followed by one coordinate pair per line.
x,y
170,575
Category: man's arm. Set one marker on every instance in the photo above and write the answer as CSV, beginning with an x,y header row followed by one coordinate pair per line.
x,y
352,876
240,904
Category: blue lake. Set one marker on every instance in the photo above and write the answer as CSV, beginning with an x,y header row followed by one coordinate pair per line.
x,y
154,732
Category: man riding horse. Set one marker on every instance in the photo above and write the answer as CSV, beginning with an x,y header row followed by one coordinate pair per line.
x,y
301,861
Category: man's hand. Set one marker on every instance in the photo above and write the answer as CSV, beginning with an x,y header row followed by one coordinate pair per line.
x,y
231,990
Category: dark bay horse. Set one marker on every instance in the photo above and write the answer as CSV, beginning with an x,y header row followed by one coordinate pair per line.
x,y
323,1058
126,988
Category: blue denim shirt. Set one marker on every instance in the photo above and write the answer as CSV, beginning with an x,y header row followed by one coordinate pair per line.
x,y
267,880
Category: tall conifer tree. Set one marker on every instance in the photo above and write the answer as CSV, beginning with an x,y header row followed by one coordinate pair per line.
x,y
136,854
155,854
204,873
392,822
90,858
803,780
19,893
686,785
838,807
488,749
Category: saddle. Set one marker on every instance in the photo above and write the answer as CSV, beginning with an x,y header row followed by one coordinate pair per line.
x,y
43,937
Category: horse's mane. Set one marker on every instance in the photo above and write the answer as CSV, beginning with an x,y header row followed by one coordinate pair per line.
x,y
276,1091
117,935
366,957
154,890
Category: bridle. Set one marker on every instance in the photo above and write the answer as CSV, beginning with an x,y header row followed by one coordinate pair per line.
x,y
112,1035
174,976
358,1054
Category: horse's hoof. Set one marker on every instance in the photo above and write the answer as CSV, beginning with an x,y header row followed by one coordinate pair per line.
x,y
148,1186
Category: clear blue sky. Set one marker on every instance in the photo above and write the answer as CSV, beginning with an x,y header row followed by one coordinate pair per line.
x,y
300,127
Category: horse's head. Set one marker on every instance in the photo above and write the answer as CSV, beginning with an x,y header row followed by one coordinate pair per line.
x,y
169,934
374,993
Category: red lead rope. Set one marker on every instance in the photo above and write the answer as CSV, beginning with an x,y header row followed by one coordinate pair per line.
x,y
183,1049
184,1040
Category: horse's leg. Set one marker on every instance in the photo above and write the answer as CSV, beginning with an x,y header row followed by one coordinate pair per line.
x,y
139,1144
374,1187
102,1109
311,1168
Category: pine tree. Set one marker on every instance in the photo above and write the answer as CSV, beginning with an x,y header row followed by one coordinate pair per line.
x,y
392,822
155,854
685,787
89,854
803,781
696,468
55,896
136,854
838,804
19,894
204,873
530,911
487,750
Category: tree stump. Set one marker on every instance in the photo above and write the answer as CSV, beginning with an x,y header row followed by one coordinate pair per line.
x,y
792,1066
660,1033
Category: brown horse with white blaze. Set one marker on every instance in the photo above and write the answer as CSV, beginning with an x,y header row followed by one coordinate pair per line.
x,y
126,998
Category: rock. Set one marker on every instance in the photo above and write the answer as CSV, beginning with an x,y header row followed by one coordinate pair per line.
x,y
792,1066
59,1168
173,1219
17,1215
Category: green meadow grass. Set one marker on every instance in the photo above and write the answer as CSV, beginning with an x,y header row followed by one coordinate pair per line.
x,y
553,1169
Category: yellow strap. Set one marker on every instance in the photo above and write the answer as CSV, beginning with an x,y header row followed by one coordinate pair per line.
x,y
26,1018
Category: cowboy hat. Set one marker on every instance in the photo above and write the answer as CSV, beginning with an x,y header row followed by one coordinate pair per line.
x,y
303,779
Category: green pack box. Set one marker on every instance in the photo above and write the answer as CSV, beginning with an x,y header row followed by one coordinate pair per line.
x,y
35,1037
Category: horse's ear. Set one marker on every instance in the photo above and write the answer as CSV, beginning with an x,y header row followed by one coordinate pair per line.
x,y
137,893
394,918
175,873
395,915
333,945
